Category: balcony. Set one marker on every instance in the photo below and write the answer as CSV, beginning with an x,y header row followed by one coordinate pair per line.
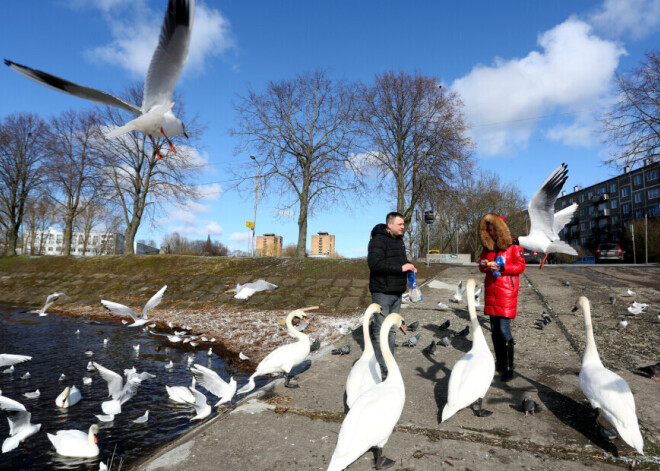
x,y
603,213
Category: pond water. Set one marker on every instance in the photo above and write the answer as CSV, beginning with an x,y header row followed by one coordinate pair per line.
x,y
56,349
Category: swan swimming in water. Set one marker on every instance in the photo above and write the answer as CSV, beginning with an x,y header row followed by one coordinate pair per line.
x,y
472,374
76,443
69,397
371,420
607,392
366,371
283,358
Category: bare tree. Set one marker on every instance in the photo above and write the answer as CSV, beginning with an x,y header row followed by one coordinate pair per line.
x,y
39,215
414,133
136,180
301,132
22,151
632,126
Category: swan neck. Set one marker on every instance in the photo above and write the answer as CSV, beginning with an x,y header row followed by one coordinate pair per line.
x,y
368,347
590,350
392,368
292,331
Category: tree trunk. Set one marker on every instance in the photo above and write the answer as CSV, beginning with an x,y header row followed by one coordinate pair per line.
x,y
301,249
12,238
68,233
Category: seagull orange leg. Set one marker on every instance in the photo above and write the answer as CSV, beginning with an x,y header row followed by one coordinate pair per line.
x,y
168,141
160,157
543,262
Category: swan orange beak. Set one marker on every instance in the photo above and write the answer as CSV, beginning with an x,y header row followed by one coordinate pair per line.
x,y
96,439
403,329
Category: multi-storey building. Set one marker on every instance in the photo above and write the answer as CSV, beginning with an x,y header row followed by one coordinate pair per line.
x,y
269,245
607,207
50,242
323,245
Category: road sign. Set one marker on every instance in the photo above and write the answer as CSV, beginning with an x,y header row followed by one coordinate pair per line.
x,y
249,224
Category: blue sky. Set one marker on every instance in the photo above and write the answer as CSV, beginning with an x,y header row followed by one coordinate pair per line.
x,y
534,77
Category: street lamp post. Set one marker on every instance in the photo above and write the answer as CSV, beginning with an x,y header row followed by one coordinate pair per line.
x,y
254,220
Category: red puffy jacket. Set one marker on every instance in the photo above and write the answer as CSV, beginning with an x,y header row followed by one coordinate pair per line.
x,y
501,292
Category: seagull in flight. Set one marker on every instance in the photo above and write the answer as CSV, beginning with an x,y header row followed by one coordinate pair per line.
x,y
49,302
20,427
122,310
8,359
155,116
545,223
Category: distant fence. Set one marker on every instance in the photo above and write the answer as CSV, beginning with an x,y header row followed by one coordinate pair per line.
x,y
461,258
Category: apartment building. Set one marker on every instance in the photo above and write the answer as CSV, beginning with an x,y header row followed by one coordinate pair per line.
x,y
605,208
323,245
269,245
50,242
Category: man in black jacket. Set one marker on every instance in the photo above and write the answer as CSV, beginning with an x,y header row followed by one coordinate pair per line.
x,y
388,267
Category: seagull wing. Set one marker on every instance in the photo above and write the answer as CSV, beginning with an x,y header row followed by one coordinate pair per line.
x,y
542,205
153,302
8,359
17,415
115,382
210,380
119,309
200,399
71,88
563,217
170,54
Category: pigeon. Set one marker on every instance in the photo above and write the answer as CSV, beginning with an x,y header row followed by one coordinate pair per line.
x,y
315,345
622,324
653,371
631,292
243,356
444,325
412,341
443,306
539,325
464,332
460,290
635,310
612,299
567,283
143,418
445,341
413,326
528,406
431,348
32,395
546,318
345,350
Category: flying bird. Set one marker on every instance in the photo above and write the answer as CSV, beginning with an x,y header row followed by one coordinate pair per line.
x,y
545,224
118,390
8,359
121,310
20,427
49,302
213,383
155,116
460,291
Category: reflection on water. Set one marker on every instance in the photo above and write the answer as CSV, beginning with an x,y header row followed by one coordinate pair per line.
x,y
56,349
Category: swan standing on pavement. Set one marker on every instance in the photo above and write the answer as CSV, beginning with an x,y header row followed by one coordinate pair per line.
x,y
76,443
121,310
213,383
366,371
472,374
20,427
607,392
69,397
7,359
283,358
369,423
545,223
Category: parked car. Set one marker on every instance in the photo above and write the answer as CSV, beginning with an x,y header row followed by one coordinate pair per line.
x,y
609,252
532,256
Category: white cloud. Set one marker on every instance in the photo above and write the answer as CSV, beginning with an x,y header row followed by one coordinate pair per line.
x,y
284,213
365,163
202,228
636,18
572,72
211,191
135,30
241,237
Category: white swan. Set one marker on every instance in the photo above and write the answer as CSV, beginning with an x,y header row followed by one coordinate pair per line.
x,y
20,427
181,394
283,358
69,397
7,359
366,371
545,224
121,310
213,383
375,413
76,443
472,374
607,392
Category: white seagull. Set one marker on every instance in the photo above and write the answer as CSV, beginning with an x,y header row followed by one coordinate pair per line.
x,y
460,290
635,310
32,395
7,359
202,409
117,389
143,418
154,117
545,223
20,427
49,302
122,310
213,383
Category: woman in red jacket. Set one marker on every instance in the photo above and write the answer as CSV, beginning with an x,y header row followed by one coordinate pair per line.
x,y
502,261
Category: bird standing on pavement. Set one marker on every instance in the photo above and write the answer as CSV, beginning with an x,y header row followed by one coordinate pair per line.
x,y
653,371
622,324
539,325
412,341
413,326
612,299
345,350
630,292
546,318
444,325
528,406
464,332
431,348
445,341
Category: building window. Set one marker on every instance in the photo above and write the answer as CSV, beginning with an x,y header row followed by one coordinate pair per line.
x,y
592,224
50,249
59,238
601,191
614,204
652,175
583,240
616,237
602,223
602,206
612,187
563,204
637,180
626,208
639,214
570,201
654,193
96,240
582,213
582,198
590,194
591,210
625,192
638,197
583,226
615,220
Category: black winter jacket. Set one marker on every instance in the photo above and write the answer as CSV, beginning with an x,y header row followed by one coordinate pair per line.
x,y
385,258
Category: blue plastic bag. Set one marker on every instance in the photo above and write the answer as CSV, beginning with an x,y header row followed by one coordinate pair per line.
x,y
415,292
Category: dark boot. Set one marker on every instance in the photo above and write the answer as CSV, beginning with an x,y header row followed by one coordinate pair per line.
x,y
507,375
500,353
